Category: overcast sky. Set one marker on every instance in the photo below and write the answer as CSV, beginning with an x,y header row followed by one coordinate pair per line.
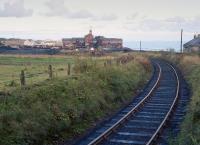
x,y
132,20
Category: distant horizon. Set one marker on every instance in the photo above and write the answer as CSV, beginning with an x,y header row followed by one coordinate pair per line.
x,y
133,44
146,45
155,45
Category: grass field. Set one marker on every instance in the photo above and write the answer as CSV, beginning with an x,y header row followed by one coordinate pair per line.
x,y
64,107
36,68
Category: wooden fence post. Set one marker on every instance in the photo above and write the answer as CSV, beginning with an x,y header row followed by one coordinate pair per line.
x,y
50,72
104,64
69,69
22,78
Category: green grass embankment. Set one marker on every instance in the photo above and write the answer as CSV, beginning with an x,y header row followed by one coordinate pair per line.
x,y
65,107
190,128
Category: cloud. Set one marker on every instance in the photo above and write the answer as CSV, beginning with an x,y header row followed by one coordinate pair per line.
x,y
106,17
133,16
175,20
15,9
170,24
82,14
58,8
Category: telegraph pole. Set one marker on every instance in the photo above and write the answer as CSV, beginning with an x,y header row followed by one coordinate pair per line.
x,y
181,47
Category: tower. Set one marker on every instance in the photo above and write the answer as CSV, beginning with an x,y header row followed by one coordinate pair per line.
x,y
90,32
89,40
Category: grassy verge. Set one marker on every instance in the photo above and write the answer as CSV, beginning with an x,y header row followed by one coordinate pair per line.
x,y
190,129
35,67
66,106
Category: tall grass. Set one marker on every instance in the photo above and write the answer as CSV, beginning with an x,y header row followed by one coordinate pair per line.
x,y
190,129
65,107
190,133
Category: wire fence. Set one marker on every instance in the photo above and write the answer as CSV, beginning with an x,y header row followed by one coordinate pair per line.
x,y
13,79
33,74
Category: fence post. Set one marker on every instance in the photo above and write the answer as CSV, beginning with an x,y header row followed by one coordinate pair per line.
x,y
22,78
69,69
104,64
50,72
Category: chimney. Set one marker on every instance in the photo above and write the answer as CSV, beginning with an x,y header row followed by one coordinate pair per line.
x,y
195,36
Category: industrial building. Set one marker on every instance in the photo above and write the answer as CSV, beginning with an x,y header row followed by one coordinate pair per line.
x,y
89,41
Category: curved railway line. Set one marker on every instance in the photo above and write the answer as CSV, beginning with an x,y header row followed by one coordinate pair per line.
x,y
142,121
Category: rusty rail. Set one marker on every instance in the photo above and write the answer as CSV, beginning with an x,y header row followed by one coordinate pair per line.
x,y
155,135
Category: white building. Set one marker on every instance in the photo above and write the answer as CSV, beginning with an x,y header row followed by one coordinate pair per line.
x,y
29,43
53,43
49,43
44,43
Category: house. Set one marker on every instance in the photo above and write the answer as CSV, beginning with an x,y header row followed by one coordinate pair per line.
x,y
79,43
15,43
39,44
58,44
73,43
29,43
68,43
49,43
2,40
193,45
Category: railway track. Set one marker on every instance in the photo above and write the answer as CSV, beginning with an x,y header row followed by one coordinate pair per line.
x,y
141,122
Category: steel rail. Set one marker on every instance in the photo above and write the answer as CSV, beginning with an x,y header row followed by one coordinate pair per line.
x,y
124,118
152,139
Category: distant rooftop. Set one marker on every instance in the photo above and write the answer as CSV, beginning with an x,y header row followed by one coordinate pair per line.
x,y
194,42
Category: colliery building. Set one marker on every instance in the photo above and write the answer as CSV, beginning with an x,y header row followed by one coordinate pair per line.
x,y
110,42
193,45
73,43
89,41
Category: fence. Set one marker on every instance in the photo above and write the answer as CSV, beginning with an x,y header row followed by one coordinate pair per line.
x,y
24,77
14,78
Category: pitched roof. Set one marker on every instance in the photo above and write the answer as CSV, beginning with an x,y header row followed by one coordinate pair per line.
x,y
193,42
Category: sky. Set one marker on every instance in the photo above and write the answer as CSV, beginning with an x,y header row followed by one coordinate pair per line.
x,y
132,20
